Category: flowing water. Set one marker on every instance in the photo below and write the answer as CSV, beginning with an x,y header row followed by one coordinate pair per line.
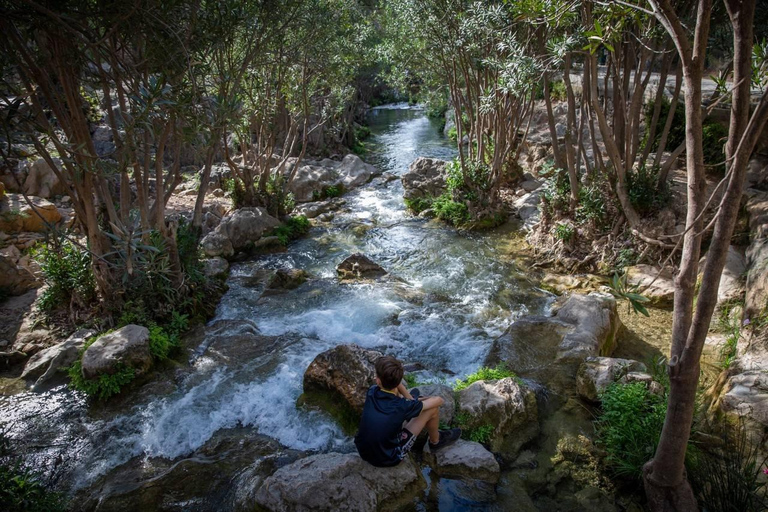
x,y
456,292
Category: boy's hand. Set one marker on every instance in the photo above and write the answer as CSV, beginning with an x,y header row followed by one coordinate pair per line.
x,y
404,392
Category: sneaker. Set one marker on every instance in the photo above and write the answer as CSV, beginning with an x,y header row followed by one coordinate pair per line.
x,y
415,393
447,437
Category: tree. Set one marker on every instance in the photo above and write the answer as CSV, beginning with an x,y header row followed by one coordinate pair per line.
x,y
664,476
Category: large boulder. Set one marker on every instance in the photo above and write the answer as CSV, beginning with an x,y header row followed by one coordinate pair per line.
x,y
42,180
527,207
17,215
310,181
127,346
656,284
246,225
353,172
335,481
317,208
215,268
346,370
550,349
44,365
359,266
464,459
756,299
425,178
216,245
597,373
448,409
287,279
506,405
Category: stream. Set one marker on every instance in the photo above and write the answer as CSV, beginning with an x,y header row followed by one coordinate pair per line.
x,y
469,291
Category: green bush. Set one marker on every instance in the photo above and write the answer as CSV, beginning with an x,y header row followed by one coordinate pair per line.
x,y
644,193
477,433
291,229
564,232
629,427
591,207
450,211
418,204
453,133
557,91
484,373
67,271
22,491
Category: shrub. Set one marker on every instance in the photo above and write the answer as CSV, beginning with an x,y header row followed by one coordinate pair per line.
x,y
591,207
629,427
22,491
557,91
419,204
67,272
450,211
557,188
485,373
291,229
643,191
564,232
106,385
453,133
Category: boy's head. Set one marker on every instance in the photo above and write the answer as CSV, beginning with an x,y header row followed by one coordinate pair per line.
x,y
389,372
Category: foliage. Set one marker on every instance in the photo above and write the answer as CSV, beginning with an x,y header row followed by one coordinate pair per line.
x,y
591,207
22,491
564,232
730,478
626,258
729,324
557,91
643,191
418,204
410,380
450,211
629,427
476,433
621,290
713,139
291,229
68,273
556,189
105,385
484,373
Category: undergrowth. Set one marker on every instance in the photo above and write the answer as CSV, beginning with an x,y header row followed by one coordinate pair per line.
x,y
485,373
291,229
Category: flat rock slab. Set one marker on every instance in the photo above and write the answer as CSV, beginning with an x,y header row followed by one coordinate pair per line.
x,y
466,459
336,481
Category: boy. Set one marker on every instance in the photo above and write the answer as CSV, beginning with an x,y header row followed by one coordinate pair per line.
x,y
382,439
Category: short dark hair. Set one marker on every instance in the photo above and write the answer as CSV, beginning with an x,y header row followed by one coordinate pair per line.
x,y
389,371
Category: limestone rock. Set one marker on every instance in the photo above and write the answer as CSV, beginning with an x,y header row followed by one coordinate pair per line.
x,y
464,459
506,405
354,172
347,370
216,244
597,373
128,345
215,267
42,180
335,481
17,215
757,256
359,266
317,208
15,279
310,180
246,225
425,178
288,279
44,364
597,326
530,185
657,285
528,209
445,392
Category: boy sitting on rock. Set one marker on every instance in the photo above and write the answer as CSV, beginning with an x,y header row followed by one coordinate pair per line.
x,y
384,439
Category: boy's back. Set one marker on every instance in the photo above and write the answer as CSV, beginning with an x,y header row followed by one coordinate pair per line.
x,y
379,439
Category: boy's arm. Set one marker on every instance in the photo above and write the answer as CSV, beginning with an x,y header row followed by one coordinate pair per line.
x,y
404,392
432,402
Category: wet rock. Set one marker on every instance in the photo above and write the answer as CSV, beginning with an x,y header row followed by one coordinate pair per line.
x,y
354,172
425,178
42,180
335,481
757,256
216,244
550,349
317,208
528,209
246,225
507,406
215,267
657,285
128,346
359,266
597,373
445,392
44,364
287,279
17,215
464,459
346,370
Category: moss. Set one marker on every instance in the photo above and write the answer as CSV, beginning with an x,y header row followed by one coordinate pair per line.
x,y
485,373
291,229
346,417
418,204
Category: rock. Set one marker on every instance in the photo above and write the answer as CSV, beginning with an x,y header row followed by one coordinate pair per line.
x,y
528,209
44,364
317,208
445,392
465,459
246,225
216,267
217,193
508,406
560,130
756,298
661,292
354,172
597,373
346,370
15,279
335,481
359,266
17,215
646,378
425,178
42,180
731,280
530,185
550,349
310,181
128,345
288,279
216,244
190,192
210,222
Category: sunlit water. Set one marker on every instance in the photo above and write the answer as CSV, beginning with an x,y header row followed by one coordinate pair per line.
x,y
467,294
